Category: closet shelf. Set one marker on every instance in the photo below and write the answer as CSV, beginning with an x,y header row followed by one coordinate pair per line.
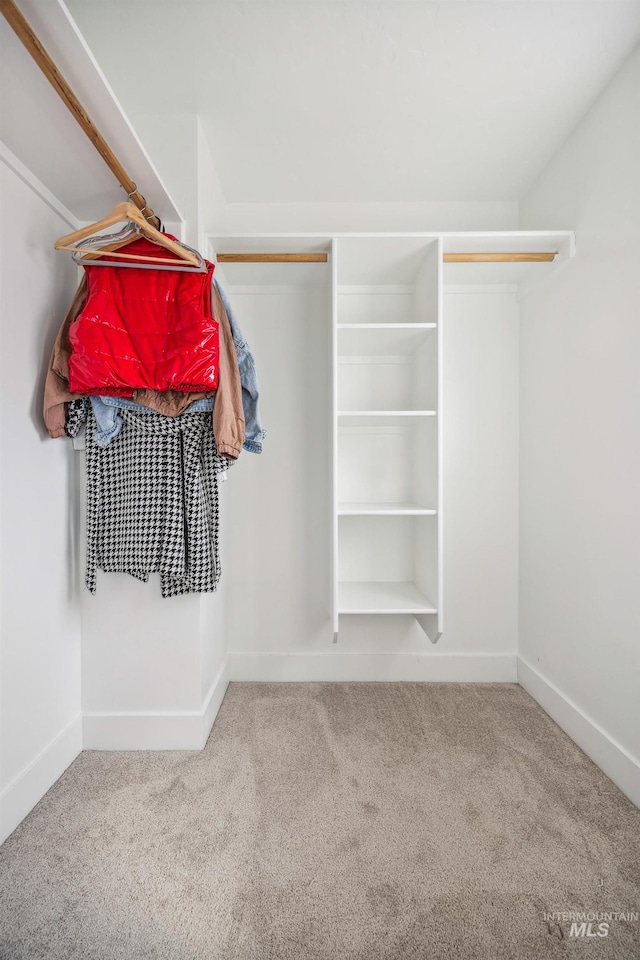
x,y
374,597
354,509
387,326
387,498
382,339
381,418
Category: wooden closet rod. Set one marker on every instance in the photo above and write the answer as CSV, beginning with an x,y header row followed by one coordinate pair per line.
x,y
447,257
499,257
21,28
272,258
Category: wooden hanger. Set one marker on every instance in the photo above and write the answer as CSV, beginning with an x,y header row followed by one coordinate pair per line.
x,y
121,212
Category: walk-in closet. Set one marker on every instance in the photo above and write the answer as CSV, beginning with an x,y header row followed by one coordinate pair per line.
x,y
318,480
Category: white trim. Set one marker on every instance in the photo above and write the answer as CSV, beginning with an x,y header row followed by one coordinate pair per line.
x,y
29,787
334,428
22,171
339,667
612,758
213,700
156,731
434,635
432,235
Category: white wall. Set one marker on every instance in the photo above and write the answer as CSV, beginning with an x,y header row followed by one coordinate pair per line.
x,y
140,651
580,440
171,142
153,668
40,727
480,484
211,200
239,218
278,555
278,549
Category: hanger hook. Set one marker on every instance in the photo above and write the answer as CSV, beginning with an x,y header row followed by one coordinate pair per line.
x,y
146,211
149,215
143,208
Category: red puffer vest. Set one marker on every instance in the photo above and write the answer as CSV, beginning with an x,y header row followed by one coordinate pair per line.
x,y
148,329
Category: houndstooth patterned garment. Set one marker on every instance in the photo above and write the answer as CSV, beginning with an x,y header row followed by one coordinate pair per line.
x,y
152,499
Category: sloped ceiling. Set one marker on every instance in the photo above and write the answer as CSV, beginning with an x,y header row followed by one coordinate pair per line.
x,y
38,130
388,101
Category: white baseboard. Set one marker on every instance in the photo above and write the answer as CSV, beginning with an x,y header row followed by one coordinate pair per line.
x,y
437,667
605,752
156,731
213,700
21,795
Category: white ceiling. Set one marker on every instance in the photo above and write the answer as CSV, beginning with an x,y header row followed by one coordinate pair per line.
x,y
383,101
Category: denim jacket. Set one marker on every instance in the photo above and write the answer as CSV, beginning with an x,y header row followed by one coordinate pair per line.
x,y
254,434
106,410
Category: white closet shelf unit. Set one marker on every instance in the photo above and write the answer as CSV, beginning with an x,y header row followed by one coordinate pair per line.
x,y
386,395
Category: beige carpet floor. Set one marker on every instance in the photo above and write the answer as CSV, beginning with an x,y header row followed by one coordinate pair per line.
x,y
331,822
